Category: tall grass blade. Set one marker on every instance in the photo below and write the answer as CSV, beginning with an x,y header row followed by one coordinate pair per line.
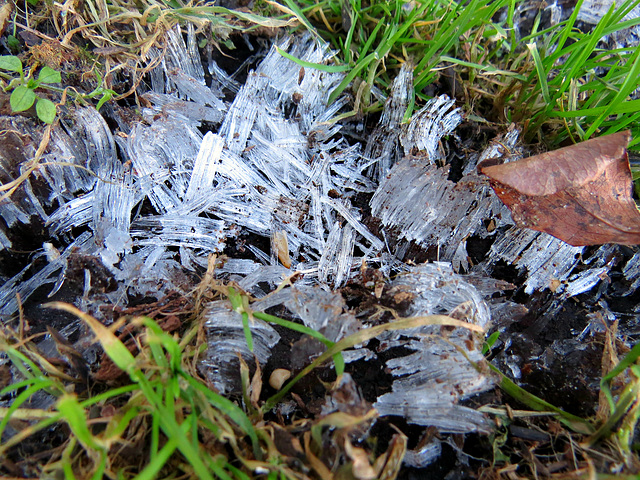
x,y
542,73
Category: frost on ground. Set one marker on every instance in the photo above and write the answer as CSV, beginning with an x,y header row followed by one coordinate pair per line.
x,y
152,203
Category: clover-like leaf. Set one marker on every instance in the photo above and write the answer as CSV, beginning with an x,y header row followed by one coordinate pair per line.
x,y
11,63
22,98
49,75
46,110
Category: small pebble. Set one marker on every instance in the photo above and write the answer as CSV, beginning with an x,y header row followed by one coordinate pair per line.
x,y
278,377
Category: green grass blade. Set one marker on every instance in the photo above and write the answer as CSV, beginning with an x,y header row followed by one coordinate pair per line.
x,y
350,76
584,49
163,342
113,393
629,359
229,408
155,437
120,423
630,84
316,66
512,31
126,361
355,11
13,387
456,22
172,429
238,473
102,465
618,26
490,69
24,364
112,345
626,399
238,304
623,10
27,432
301,17
297,327
367,46
158,460
20,399
630,106
213,13
540,70
74,415
67,463
574,422
566,31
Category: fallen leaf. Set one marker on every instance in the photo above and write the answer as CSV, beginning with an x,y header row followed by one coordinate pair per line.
x,y
6,10
581,194
388,464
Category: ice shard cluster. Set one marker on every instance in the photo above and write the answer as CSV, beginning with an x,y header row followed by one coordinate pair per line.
x,y
200,171
435,376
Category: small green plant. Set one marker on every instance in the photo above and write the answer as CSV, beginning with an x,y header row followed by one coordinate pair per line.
x,y
490,342
23,94
105,94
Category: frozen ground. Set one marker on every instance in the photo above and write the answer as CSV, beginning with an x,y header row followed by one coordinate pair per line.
x,y
283,195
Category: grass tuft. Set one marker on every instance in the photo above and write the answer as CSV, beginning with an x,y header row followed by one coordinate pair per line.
x,y
559,84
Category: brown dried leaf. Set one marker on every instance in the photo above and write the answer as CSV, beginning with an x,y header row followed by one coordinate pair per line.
x,y
581,194
388,465
6,10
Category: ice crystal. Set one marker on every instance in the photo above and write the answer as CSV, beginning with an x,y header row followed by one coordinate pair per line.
x,y
382,147
170,106
419,201
260,171
631,272
437,376
19,287
436,119
544,257
424,455
322,311
591,11
226,341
